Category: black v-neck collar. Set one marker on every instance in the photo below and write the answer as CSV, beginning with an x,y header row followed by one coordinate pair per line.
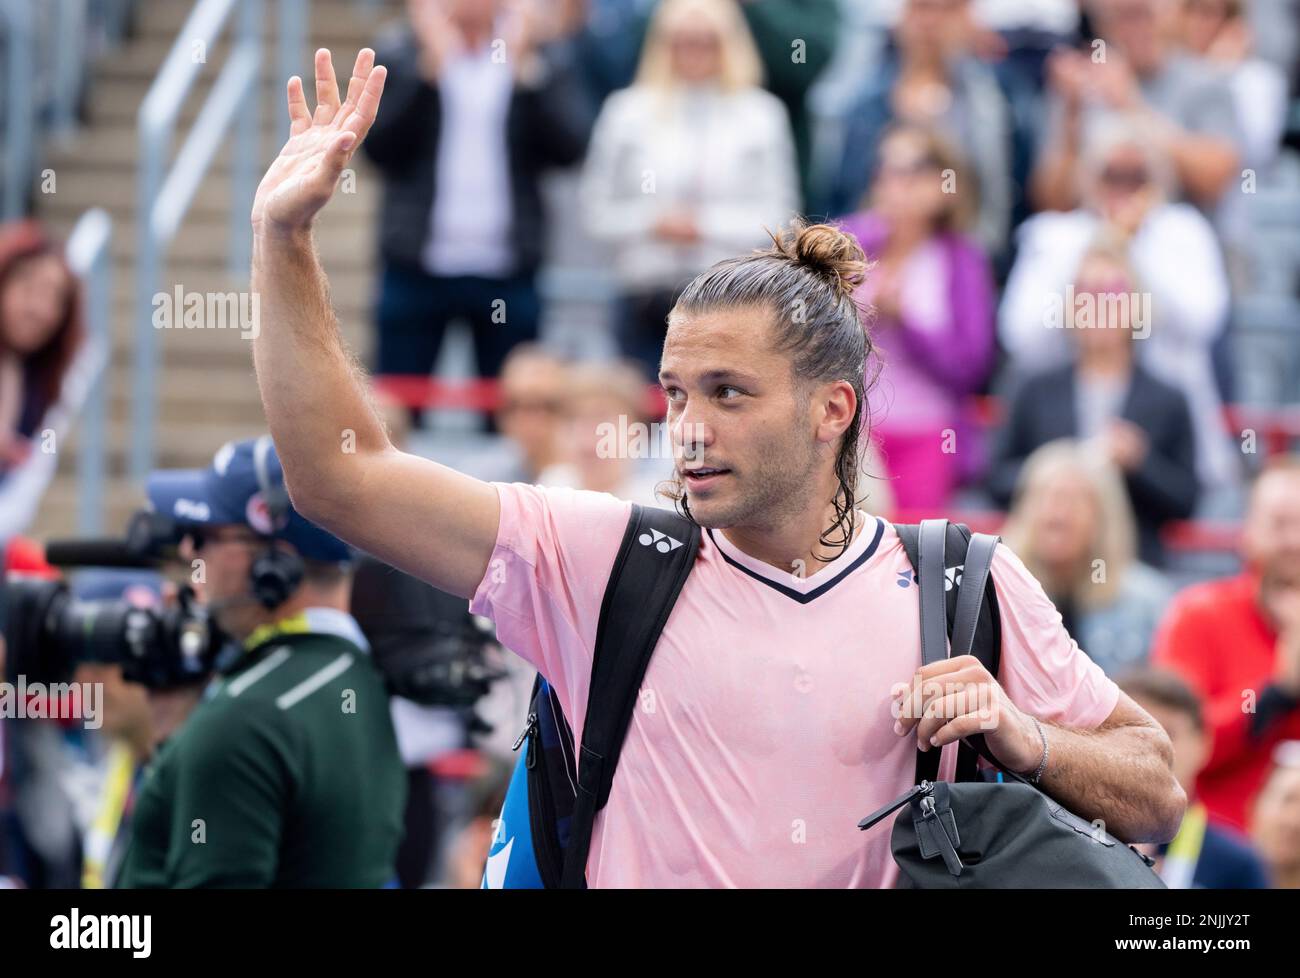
x,y
766,573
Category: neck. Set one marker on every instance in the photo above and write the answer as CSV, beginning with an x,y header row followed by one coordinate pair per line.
x,y
1059,579
306,597
928,65
793,544
1106,363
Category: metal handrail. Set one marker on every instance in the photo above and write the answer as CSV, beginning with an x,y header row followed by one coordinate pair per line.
x,y
166,193
20,111
89,255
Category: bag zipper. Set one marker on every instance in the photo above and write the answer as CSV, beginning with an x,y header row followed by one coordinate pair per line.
x,y
924,788
530,729
938,833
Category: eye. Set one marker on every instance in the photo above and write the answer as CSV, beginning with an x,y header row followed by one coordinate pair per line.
x,y
670,392
723,389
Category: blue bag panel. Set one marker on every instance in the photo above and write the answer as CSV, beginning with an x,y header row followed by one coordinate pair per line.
x,y
511,862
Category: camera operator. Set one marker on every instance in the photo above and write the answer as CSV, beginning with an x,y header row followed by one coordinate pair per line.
x,y
287,772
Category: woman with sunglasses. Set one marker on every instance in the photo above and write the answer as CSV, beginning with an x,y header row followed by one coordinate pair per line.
x,y
1126,186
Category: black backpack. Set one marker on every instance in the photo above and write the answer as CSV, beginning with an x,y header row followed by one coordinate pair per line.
x,y
565,789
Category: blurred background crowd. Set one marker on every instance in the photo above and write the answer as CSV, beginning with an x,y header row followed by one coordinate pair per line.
x,y
1085,222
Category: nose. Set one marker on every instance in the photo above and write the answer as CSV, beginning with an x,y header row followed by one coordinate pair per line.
x,y
691,433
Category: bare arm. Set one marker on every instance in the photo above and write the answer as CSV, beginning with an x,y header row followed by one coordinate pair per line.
x,y
340,467
1120,773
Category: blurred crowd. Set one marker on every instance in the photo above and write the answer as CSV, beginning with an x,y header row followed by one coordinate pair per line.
x,y
1062,201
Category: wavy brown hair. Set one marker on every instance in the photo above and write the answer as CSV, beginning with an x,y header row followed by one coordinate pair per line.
x,y
806,280
26,241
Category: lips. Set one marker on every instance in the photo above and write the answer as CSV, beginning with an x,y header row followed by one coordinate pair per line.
x,y
703,476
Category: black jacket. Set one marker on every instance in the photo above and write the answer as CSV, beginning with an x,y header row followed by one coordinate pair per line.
x,y
548,126
1164,487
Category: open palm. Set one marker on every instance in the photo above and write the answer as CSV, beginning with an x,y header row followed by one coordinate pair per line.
x,y
302,178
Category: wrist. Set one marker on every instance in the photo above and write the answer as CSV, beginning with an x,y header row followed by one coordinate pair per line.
x,y
273,237
283,247
1038,751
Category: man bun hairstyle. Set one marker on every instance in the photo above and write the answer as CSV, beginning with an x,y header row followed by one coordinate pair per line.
x,y
807,280
824,250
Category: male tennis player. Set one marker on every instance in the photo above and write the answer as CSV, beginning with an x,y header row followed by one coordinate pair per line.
x,y
776,680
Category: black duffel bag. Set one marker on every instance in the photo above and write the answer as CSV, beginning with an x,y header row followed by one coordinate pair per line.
x,y
977,834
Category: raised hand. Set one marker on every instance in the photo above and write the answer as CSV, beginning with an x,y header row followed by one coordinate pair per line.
x,y
302,178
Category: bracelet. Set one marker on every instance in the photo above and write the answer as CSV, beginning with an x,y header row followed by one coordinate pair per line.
x,y
1043,763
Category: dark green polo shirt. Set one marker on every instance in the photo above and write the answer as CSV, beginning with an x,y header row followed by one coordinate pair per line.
x,y
287,774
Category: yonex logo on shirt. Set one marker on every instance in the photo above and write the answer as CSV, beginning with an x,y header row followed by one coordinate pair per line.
x,y
660,541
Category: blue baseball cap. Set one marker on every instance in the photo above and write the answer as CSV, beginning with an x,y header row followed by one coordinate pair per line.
x,y
244,486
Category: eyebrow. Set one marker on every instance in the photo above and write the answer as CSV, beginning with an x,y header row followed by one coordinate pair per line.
x,y
718,374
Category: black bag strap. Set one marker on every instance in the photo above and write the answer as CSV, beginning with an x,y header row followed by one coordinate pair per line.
x,y
970,622
653,562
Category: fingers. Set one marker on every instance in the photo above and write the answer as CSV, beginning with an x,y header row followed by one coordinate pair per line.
x,y
299,116
934,682
336,156
368,103
958,729
327,88
969,703
361,71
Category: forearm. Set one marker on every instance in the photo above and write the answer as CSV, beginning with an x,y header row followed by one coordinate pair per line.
x,y
1121,777
314,394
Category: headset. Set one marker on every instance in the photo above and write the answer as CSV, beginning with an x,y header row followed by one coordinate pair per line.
x,y
276,573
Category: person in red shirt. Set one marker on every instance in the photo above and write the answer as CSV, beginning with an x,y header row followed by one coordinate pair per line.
x,y
1237,641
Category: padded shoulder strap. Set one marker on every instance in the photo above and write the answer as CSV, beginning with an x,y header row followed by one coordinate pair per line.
x,y
947,557
656,557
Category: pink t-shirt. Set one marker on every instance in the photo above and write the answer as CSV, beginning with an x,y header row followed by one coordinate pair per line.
x,y
763,733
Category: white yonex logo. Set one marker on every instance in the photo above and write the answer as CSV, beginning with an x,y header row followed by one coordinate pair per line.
x,y
952,577
660,541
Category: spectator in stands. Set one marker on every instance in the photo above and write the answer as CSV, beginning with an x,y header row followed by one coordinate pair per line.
x,y
931,296
530,412
796,41
40,334
1218,32
608,447
1176,261
1237,641
928,77
687,166
1106,398
1072,526
608,45
1135,67
1203,855
1275,819
475,110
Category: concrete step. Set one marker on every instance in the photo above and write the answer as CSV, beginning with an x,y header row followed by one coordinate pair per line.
x,y
176,445
346,243
57,516
81,184
327,18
